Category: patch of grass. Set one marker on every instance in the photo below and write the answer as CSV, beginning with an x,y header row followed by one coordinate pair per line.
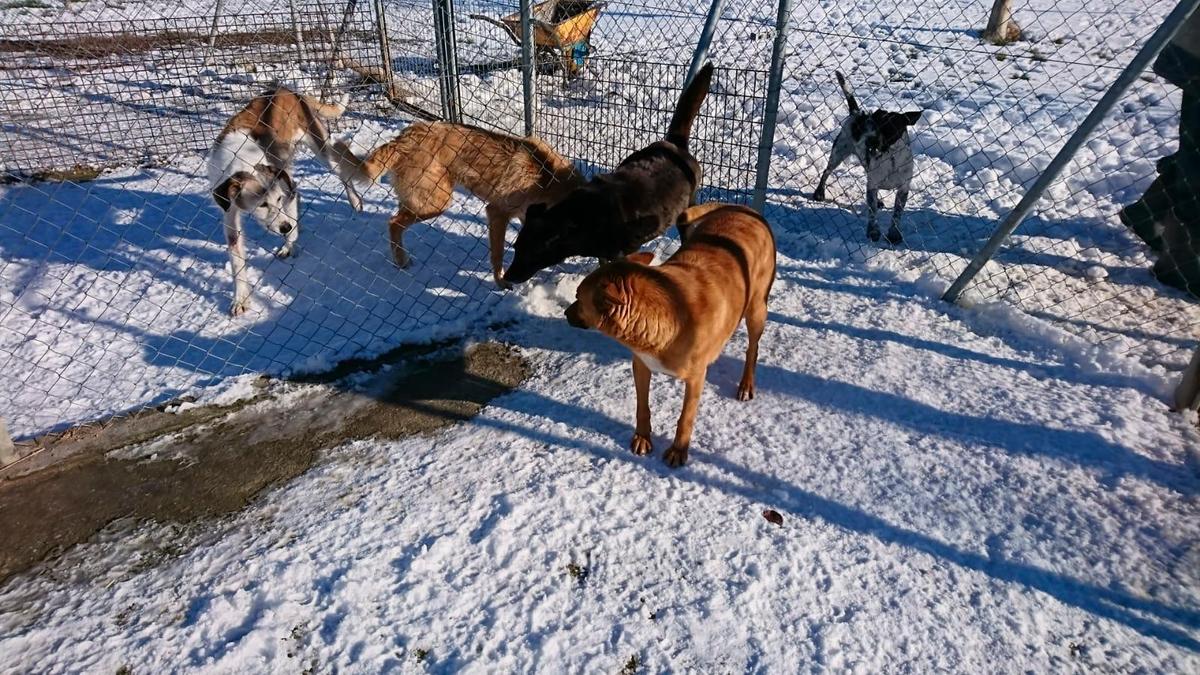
x,y
1037,56
420,655
631,666
80,173
1001,56
125,670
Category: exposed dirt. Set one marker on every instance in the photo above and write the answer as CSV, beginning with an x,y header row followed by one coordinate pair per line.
x,y
211,461
100,46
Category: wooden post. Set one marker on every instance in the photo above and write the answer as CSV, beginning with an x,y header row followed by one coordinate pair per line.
x,y
1187,394
8,451
1001,29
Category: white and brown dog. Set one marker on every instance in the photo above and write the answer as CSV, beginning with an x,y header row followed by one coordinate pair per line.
x,y
249,170
881,143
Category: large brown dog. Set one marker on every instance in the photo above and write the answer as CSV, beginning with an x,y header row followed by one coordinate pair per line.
x,y
428,160
678,316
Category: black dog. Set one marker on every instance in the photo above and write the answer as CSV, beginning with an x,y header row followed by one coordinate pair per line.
x,y
613,214
880,142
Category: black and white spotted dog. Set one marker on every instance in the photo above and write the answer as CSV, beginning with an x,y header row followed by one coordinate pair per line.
x,y
881,143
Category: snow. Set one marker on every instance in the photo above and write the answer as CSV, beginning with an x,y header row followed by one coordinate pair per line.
x,y
1023,513
992,486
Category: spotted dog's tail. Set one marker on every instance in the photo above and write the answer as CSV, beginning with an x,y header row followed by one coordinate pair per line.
x,y
850,100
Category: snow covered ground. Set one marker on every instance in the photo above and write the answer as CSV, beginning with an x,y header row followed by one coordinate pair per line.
x,y
963,489
958,493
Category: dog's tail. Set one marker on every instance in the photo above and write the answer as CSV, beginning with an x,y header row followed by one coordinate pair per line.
x,y
383,159
329,111
365,170
850,100
689,106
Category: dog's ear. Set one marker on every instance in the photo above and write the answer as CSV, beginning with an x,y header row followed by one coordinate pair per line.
x,y
641,257
611,297
242,188
911,117
274,174
227,192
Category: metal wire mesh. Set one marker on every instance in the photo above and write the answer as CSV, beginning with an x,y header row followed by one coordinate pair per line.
x,y
993,117
114,278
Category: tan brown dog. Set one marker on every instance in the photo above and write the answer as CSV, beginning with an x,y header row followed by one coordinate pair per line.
x,y
677,317
429,159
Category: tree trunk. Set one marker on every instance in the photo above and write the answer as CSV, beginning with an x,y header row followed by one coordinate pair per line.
x,y
1001,29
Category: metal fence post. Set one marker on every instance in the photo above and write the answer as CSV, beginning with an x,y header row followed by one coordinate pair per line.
x,y
1139,63
385,50
767,141
447,50
527,63
710,27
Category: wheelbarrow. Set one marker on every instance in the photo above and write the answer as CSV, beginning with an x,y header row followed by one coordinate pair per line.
x,y
562,32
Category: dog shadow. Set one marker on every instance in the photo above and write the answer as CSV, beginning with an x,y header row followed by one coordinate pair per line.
x,y
722,473
839,227
141,259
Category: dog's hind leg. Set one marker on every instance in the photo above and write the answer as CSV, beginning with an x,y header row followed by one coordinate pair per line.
x,y
641,443
756,320
837,155
398,224
677,454
893,233
872,214
237,262
425,197
497,222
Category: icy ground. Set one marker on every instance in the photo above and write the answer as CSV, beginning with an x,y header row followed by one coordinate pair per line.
x,y
961,490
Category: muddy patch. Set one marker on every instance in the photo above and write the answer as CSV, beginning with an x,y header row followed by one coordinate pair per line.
x,y
212,461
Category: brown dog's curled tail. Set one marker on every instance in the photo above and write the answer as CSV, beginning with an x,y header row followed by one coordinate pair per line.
x,y
689,106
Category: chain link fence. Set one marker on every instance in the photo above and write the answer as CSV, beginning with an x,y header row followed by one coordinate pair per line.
x,y
992,118
115,283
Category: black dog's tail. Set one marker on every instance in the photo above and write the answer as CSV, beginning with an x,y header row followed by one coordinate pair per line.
x,y
846,90
689,106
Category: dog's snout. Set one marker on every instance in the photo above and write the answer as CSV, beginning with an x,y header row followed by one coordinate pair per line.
x,y
285,228
573,319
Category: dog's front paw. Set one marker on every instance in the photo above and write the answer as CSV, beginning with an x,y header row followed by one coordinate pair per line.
x,y
401,259
894,237
239,307
641,445
745,391
675,457
818,195
284,251
501,283
873,233
356,201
